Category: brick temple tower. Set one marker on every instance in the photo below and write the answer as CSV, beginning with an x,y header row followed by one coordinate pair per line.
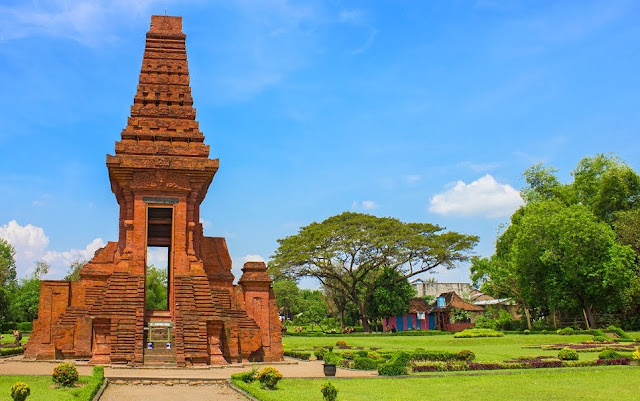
x,y
160,174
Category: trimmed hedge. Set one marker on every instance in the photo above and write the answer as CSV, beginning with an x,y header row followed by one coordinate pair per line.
x,y
96,380
364,363
11,351
475,333
25,327
298,354
441,356
396,366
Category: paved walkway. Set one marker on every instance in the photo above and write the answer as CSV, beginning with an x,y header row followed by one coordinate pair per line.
x,y
290,368
160,392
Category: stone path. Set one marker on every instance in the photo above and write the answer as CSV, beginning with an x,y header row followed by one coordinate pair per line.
x,y
160,392
290,368
192,384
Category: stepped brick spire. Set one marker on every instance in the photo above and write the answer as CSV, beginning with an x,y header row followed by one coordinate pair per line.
x,y
163,119
160,174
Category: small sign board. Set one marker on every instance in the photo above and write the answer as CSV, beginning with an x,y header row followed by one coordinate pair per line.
x,y
159,324
420,315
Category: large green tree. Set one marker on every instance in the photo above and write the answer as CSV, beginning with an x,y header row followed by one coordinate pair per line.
x,y
7,276
391,295
559,253
156,288
564,258
288,297
350,251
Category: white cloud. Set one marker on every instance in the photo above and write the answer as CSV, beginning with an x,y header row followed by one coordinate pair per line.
x,y
85,21
483,197
60,261
31,243
364,205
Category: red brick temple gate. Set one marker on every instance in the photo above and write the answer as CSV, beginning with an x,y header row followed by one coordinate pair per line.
x,y
160,175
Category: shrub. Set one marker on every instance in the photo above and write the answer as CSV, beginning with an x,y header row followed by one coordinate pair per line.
x,y
567,354
347,355
609,354
618,331
11,351
269,377
396,366
329,392
246,377
20,391
65,374
298,354
25,327
331,359
636,355
527,332
474,333
319,353
600,339
567,331
361,353
466,355
483,322
364,363
342,344
372,355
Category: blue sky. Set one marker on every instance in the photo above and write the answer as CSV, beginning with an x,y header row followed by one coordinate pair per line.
x,y
421,110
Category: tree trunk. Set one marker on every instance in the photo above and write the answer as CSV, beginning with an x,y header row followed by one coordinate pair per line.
x,y
586,319
528,315
591,321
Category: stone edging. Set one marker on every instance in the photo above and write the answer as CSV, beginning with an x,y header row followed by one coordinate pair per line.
x,y
105,383
240,391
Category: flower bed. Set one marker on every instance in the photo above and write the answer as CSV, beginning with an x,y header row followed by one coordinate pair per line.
x,y
535,363
590,347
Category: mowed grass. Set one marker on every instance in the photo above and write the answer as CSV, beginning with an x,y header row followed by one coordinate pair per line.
x,y
487,349
9,339
43,388
613,382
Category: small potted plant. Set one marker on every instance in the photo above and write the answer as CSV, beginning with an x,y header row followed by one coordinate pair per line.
x,y
330,362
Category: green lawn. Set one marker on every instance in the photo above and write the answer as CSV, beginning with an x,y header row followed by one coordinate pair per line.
x,y
613,382
43,388
486,349
9,339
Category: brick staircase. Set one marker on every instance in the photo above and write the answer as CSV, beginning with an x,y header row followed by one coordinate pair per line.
x,y
159,334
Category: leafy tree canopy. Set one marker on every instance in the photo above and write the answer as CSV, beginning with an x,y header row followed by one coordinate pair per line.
x,y
350,251
156,288
73,274
391,295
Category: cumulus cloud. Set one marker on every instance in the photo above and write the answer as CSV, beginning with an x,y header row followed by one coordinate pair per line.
x,y
86,21
364,205
483,197
31,244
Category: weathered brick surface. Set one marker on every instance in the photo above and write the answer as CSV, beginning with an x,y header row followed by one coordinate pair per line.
x,y
160,159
